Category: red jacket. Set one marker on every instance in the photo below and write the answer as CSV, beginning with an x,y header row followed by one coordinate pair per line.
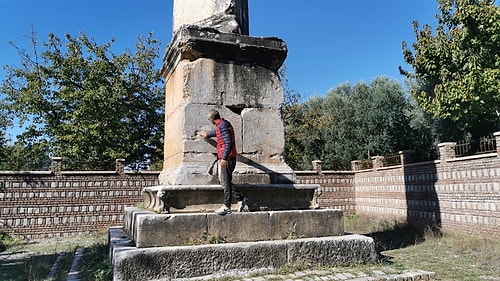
x,y
226,145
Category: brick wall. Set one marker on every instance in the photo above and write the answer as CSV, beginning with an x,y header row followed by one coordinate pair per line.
x,y
48,204
459,194
338,190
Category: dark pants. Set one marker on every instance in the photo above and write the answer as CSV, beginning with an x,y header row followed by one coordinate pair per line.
x,y
226,180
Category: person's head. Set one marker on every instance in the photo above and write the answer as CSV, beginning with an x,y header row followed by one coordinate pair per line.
x,y
213,115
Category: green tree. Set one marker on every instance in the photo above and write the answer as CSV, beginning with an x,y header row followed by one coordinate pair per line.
x,y
367,120
292,114
459,65
355,123
86,103
3,129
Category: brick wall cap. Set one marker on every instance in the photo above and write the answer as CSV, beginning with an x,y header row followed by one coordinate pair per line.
x,y
25,172
446,143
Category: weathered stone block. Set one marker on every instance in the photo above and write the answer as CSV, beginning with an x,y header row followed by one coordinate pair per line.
x,y
148,229
248,86
194,173
169,229
262,197
223,15
207,81
300,224
239,227
263,132
190,159
191,43
198,82
341,250
204,261
196,116
168,263
173,139
174,84
187,154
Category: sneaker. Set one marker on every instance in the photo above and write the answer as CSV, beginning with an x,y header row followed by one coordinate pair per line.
x,y
224,210
242,204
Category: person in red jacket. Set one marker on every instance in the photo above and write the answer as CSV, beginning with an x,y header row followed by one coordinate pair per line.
x,y
226,154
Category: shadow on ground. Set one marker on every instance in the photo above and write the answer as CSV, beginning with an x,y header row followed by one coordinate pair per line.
x,y
23,266
401,236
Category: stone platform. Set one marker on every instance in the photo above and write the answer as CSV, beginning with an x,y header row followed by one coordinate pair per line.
x,y
148,229
207,198
182,262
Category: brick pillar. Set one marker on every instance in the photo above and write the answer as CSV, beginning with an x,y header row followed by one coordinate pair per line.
x,y
317,166
355,165
378,162
447,150
120,166
497,140
406,157
56,165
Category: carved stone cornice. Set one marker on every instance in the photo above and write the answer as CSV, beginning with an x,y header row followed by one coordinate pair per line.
x,y
192,42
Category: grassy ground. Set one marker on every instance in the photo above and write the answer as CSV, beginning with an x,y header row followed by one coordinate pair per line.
x,y
33,260
456,257
452,256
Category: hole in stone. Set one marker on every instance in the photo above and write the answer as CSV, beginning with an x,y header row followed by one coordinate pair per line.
x,y
235,109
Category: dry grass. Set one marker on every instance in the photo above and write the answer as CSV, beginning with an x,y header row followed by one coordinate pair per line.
x,y
452,256
32,260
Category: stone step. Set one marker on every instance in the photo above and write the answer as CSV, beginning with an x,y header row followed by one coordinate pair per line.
x,y
201,198
149,229
178,262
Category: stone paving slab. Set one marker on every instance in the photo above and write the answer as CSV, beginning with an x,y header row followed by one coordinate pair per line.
x,y
385,274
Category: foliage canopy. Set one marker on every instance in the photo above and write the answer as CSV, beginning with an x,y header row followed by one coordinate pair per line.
x,y
459,64
355,123
87,104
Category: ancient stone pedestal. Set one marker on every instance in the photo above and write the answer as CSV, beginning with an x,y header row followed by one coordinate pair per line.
x,y
235,74
206,198
213,63
149,229
211,261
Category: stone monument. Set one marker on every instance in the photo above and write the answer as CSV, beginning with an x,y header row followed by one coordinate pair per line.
x,y
212,63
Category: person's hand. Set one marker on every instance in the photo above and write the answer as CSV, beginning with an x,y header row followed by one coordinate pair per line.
x,y
223,163
202,134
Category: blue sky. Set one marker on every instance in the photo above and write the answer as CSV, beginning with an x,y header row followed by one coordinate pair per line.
x,y
329,42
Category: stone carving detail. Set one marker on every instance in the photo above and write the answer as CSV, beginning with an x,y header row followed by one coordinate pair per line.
x,y
227,16
200,198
